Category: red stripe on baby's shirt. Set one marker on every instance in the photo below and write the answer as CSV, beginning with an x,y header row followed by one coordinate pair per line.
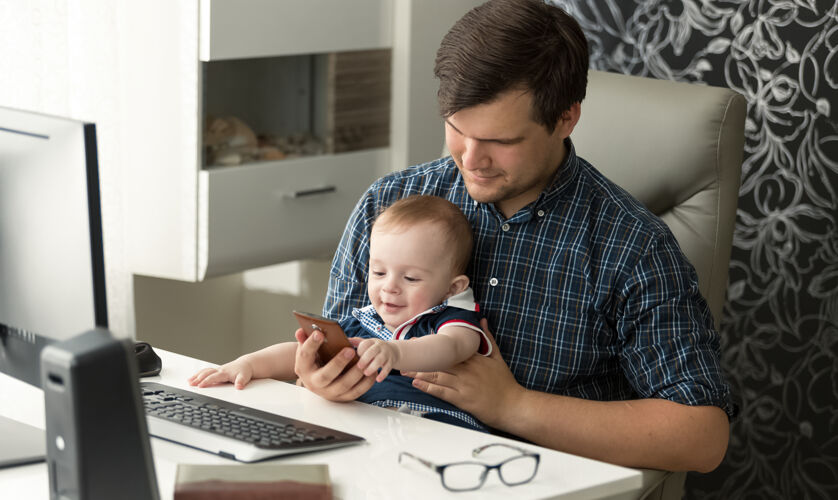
x,y
485,348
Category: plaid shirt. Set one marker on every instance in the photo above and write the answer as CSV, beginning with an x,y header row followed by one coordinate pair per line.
x,y
586,292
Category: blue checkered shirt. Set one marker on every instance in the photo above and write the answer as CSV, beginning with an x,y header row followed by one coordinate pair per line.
x,y
586,292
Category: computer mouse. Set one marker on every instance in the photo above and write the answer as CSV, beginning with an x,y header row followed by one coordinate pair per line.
x,y
148,362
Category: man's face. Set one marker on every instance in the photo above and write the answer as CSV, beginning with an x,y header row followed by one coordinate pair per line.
x,y
410,271
504,156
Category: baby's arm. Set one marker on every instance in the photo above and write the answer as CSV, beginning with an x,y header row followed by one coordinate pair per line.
x,y
440,351
276,361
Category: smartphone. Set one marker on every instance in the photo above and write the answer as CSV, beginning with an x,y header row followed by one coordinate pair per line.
x,y
334,337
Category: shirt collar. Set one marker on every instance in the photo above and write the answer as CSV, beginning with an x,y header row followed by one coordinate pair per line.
x,y
563,179
370,319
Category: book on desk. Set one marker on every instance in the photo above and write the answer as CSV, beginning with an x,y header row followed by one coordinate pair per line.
x,y
252,481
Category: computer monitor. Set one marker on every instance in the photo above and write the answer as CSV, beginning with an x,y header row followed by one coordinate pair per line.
x,y
53,315
52,281
52,271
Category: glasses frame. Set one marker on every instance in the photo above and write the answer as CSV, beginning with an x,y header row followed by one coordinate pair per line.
x,y
440,468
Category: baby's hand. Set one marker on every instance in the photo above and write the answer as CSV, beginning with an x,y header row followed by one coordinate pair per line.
x,y
239,372
377,354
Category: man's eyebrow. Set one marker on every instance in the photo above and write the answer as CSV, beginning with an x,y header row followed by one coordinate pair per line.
x,y
452,125
502,140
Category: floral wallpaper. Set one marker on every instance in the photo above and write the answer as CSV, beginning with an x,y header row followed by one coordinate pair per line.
x,y
780,326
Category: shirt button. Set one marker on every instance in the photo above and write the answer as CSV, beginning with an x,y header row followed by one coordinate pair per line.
x,y
505,227
493,282
541,213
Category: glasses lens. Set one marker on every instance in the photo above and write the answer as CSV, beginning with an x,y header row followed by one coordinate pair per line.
x,y
463,476
518,470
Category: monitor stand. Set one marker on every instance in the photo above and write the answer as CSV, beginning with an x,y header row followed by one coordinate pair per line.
x,y
22,443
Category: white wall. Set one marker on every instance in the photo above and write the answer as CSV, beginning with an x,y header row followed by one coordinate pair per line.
x,y
61,58
200,319
269,297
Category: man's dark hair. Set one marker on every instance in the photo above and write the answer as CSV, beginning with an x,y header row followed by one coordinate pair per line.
x,y
510,44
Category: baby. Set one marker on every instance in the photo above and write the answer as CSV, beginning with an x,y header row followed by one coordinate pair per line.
x,y
421,317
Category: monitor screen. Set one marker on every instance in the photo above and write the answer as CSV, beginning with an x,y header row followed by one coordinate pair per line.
x,y
52,283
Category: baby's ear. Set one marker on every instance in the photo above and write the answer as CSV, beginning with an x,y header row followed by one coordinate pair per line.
x,y
458,284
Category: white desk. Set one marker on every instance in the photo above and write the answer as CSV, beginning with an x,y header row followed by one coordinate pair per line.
x,y
369,470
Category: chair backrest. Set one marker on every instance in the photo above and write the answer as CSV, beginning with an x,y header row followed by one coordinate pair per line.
x,y
676,147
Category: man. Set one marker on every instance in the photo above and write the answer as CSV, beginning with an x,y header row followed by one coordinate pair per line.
x,y
605,347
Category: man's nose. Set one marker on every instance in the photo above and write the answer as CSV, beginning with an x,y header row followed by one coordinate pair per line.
x,y
474,155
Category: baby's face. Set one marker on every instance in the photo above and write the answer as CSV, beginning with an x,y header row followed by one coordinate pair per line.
x,y
410,271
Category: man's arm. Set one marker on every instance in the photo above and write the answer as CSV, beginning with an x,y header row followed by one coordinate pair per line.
x,y
650,433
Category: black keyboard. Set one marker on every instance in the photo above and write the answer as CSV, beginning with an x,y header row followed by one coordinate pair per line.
x,y
231,430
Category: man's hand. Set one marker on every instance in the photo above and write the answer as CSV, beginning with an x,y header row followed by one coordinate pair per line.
x,y
378,354
327,381
481,385
239,371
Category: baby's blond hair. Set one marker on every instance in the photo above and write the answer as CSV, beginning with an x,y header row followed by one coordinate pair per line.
x,y
419,208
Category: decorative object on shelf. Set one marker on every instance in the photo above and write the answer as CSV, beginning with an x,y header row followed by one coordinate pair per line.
x,y
227,140
294,145
230,141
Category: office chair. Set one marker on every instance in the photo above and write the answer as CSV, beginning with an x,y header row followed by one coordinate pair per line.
x,y
676,147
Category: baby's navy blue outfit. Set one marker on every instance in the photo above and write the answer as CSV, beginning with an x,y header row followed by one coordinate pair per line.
x,y
396,390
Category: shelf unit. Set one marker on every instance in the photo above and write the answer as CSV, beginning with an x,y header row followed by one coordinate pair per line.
x,y
190,223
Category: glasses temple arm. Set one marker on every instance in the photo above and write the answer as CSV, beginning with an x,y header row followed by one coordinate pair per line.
x,y
477,451
422,461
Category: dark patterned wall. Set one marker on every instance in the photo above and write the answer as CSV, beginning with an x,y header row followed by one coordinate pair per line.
x,y
780,325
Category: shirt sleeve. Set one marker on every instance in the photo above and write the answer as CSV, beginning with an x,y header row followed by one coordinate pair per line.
x,y
347,276
671,349
455,316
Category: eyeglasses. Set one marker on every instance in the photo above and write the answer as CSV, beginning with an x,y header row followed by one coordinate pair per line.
x,y
465,476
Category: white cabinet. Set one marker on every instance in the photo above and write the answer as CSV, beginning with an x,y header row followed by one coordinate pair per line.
x,y
267,213
189,222
236,29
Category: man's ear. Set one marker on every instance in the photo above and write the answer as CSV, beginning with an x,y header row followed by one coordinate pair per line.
x,y
569,119
458,284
